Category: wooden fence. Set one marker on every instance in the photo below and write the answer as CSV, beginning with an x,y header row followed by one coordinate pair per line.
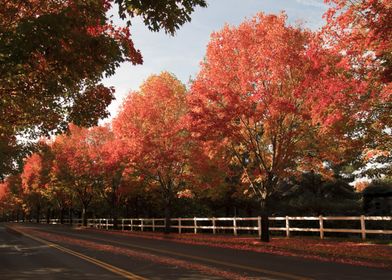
x,y
238,225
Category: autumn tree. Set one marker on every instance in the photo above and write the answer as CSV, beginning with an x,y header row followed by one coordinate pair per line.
x,y
360,30
3,190
109,157
54,55
214,182
4,200
35,178
150,125
12,204
254,97
59,194
76,169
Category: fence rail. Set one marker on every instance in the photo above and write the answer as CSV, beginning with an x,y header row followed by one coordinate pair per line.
x,y
236,224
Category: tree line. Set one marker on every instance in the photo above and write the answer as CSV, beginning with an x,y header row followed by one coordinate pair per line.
x,y
275,111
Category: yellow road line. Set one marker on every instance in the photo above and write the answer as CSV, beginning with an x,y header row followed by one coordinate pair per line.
x,y
233,265
116,270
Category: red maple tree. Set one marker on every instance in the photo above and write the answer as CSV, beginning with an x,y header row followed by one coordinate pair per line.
x,y
157,145
359,32
263,95
35,179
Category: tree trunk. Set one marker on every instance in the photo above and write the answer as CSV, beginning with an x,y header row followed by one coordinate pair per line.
x,y
114,210
48,215
136,207
115,196
38,213
61,215
128,207
265,235
70,214
167,215
115,216
84,217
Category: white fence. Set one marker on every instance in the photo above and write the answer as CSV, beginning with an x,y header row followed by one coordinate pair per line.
x,y
250,224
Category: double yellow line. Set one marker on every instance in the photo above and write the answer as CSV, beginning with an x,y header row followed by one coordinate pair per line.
x,y
129,275
111,268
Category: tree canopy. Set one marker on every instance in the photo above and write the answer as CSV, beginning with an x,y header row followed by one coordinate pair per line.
x,y
54,54
150,124
279,118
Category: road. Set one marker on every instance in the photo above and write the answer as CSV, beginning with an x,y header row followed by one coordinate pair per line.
x,y
31,251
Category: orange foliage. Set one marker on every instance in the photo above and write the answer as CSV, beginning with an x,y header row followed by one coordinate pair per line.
x,y
150,126
361,185
362,29
33,175
157,146
3,190
252,97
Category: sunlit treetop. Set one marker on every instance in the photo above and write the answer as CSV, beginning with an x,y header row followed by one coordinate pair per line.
x,y
35,176
362,29
150,125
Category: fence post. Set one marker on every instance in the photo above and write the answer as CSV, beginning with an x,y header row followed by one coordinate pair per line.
x,y
235,226
363,227
195,225
321,222
287,226
122,224
107,224
259,225
142,224
179,225
213,225
153,224
131,224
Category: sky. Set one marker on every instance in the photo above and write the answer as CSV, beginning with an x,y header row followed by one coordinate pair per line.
x,y
181,54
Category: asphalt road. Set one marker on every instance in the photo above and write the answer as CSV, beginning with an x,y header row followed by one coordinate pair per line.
x,y
31,251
